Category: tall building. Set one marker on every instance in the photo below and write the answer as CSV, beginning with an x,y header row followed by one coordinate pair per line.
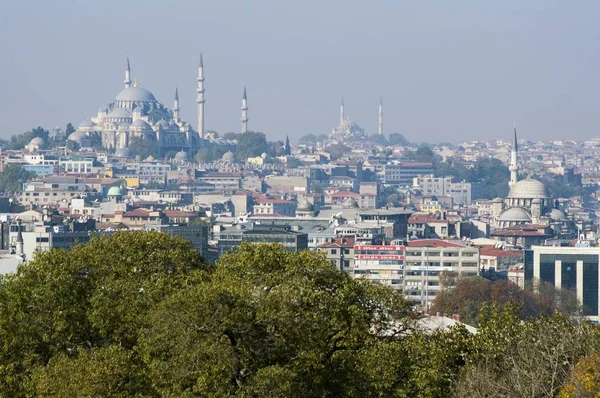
x,y
574,268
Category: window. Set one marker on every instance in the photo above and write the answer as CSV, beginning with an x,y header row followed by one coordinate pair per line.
x,y
333,251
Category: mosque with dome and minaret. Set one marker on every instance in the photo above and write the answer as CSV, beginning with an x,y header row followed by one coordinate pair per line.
x,y
135,112
528,201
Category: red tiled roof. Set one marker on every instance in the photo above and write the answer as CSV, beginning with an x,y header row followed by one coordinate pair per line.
x,y
177,213
432,243
492,251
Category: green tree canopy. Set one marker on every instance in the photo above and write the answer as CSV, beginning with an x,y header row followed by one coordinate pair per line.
x,y
13,177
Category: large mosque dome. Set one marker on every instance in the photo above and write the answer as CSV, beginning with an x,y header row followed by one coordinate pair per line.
x,y
136,94
528,189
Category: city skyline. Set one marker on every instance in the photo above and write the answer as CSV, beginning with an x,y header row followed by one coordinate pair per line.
x,y
449,72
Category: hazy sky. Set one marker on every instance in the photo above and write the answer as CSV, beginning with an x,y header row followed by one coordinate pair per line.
x,y
447,70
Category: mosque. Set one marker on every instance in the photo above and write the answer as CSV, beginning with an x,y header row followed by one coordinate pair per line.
x,y
136,113
527,202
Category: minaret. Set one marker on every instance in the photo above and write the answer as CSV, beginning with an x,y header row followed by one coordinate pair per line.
x,y
200,99
19,251
176,107
380,124
127,75
342,114
244,112
514,167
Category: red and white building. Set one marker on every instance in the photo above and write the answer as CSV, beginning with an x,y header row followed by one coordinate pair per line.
x,y
380,263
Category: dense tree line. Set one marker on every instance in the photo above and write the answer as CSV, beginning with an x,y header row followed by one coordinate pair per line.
x,y
469,296
13,177
139,314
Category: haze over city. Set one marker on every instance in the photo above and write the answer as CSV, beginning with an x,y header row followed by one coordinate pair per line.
x,y
447,71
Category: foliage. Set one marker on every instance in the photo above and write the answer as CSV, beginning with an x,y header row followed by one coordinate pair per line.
x,y
13,177
210,153
471,295
337,151
249,144
490,175
144,147
69,130
273,323
398,139
308,139
18,142
75,307
293,163
523,359
275,148
584,380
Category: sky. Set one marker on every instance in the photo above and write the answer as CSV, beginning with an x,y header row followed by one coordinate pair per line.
x,y
447,70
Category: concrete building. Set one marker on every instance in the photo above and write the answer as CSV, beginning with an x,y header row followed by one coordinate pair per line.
x,y
574,268
287,237
460,192
380,263
404,173
426,259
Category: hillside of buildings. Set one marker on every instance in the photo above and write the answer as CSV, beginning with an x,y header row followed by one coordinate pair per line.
x,y
143,314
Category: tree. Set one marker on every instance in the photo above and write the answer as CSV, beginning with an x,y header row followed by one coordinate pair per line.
x,y
274,323
398,139
13,177
69,130
308,139
471,295
511,358
337,151
144,147
69,308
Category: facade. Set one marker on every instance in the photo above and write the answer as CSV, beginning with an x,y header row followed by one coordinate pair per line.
x,y
426,259
404,173
460,192
339,253
280,207
380,263
284,235
574,268
197,235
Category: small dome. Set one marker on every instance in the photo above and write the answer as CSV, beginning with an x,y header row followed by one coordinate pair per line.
x,y
497,200
528,189
114,191
515,215
350,203
102,110
87,123
77,136
136,94
164,124
305,205
37,141
140,124
119,113
228,156
181,156
124,125
557,214
123,153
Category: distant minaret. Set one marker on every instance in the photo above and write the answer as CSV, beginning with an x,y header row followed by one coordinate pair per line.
x,y
244,112
200,99
380,124
176,107
127,75
19,243
342,114
514,167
